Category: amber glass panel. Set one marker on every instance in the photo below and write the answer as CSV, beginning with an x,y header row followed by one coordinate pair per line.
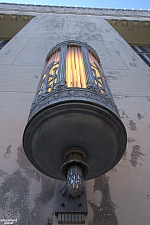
x,y
55,57
96,71
49,78
52,79
75,71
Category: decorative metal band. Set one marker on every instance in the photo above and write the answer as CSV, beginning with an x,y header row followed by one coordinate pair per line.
x,y
73,94
73,43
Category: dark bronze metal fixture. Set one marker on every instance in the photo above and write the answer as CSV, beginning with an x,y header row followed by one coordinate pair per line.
x,y
74,132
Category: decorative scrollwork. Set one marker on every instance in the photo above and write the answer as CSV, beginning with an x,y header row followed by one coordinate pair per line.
x,y
97,77
49,79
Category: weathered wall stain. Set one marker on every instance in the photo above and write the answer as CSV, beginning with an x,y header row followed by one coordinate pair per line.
x,y
145,196
136,153
122,113
39,213
3,174
132,125
130,140
105,213
124,155
140,116
26,167
113,75
133,63
43,203
148,99
8,152
15,193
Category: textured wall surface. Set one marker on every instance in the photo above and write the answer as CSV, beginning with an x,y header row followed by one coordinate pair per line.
x,y
29,9
120,197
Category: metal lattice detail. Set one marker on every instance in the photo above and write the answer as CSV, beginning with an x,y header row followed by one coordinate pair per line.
x,y
99,83
49,79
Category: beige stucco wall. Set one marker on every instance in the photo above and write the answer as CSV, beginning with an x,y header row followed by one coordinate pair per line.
x,y
120,197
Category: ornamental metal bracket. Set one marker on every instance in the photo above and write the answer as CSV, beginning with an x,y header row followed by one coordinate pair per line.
x,y
68,209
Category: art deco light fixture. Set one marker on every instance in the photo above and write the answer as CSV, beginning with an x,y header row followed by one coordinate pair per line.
x,y
74,132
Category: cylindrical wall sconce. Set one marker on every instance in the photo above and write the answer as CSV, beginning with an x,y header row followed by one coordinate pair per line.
x,y
74,132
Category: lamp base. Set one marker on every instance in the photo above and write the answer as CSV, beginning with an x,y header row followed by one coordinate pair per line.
x,y
68,209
